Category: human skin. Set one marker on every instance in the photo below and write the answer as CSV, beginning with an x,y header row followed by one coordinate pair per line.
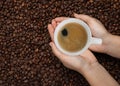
x,y
111,43
87,64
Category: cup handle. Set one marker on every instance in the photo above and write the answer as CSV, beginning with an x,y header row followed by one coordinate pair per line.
x,y
96,40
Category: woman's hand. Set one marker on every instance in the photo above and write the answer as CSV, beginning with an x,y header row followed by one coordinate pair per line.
x,y
111,43
79,63
86,64
98,31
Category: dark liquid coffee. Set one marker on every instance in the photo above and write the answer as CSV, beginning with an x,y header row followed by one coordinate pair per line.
x,y
72,37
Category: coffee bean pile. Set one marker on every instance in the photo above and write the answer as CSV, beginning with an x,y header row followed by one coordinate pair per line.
x,y
26,58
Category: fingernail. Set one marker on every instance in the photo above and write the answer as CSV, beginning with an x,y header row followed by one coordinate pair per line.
x,y
75,14
50,44
48,25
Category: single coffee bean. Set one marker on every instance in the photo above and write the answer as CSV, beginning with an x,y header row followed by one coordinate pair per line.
x,y
64,32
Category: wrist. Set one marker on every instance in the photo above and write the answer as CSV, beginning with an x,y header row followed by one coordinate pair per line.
x,y
111,44
107,42
96,75
89,68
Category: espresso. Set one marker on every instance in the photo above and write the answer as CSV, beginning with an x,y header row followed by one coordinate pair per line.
x,y
72,37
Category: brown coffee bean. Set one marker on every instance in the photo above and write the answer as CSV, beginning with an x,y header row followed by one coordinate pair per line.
x,y
25,55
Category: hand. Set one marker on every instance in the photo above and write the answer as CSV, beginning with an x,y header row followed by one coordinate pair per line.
x,y
98,31
86,64
79,63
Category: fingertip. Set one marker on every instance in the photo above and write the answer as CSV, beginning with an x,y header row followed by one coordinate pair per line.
x,y
57,19
75,14
54,23
51,44
83,17
78,15
58,23
54,49
49,25
52,20
51,31
50,28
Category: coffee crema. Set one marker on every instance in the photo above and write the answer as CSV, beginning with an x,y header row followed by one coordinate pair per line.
x,y
72,37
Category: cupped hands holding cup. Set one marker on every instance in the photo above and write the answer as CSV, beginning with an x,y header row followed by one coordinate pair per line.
x,y
67,46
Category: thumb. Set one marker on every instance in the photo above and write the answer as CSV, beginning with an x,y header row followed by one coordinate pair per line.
x,y
83,17
56,51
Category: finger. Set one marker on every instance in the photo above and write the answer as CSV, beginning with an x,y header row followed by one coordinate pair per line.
x,y
96,48
93,48
87,53
83,17
88,56
59,19
51,31
58,23
60,55
54,24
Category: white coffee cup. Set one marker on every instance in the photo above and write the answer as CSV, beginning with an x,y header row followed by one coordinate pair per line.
x,y
91,40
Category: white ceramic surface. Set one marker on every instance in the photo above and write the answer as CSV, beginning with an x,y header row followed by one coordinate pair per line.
x,y
91,40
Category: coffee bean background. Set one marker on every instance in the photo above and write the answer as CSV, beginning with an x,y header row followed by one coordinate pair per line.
x,y
26,58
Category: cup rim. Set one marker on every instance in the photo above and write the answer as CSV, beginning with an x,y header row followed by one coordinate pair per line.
x,y
72,20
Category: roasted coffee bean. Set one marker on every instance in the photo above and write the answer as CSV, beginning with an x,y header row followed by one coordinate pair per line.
x,y
64,32
26,59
